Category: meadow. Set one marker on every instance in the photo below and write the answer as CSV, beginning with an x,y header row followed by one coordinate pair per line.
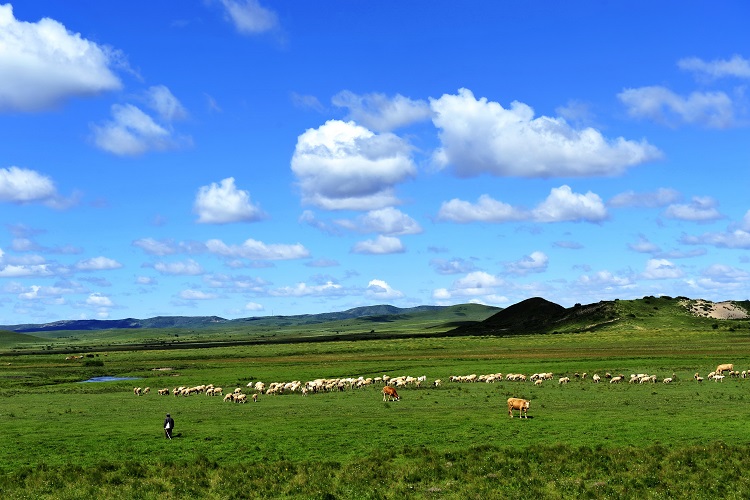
x,y
62,438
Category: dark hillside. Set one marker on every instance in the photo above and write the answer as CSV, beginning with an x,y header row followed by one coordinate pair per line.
x,y
538,315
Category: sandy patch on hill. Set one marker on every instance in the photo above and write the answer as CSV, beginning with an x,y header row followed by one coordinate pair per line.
x,y
165,369
716,310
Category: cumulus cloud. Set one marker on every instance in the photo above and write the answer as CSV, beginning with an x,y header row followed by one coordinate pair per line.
x,y
187,268
381,290
536,262
250,17
604,280
98,264
643,245
710,109
473,285
25,271
659,198
561,205
131,132
155,247
700,209
145,280
253,306
344,166
479,136
253,249
379,246
452,266
20,185
658,269
161,99
303,289
389,221
99,300
44,64
224,203
191,294
486,209
737,238
736,66
381,113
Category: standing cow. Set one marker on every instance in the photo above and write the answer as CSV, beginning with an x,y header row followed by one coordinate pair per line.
x,y
522,405
724,368
389,393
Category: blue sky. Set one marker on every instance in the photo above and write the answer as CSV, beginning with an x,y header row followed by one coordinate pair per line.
x,y
253,157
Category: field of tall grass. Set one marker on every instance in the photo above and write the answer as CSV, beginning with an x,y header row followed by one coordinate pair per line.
x,y
62,438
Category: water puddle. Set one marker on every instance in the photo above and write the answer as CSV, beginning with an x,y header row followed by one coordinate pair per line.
x,y
108,379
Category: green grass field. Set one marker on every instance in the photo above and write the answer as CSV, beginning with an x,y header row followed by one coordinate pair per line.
x,y
62,438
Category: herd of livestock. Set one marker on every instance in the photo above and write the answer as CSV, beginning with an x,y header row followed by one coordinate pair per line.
x,y
391,384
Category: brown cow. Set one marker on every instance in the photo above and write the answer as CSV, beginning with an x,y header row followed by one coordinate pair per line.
x,y
389,393
724,368
519,404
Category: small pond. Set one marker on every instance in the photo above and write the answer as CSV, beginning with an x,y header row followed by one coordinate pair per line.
x,y
108,379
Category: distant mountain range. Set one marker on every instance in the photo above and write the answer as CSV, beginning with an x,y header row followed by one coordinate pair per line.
x,y
197,322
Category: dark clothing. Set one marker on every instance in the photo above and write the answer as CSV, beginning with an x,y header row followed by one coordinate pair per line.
x,y
168,426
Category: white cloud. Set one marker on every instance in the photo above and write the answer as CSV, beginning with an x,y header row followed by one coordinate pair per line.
x,y
658,269
710,109
479,136
380,113
250,17
643,245
307,102
20,185
379,246
725,274
659,198
21,271
536,262
303,290
604,280
154,247
43,64
145,280
253,249
187,268
165,104
132,132
253,306
99,300
196,295
561,205
343,166
475,284
222,204
452,266
738,238
700,209
486,209
379,289
737,66
98,264
388,221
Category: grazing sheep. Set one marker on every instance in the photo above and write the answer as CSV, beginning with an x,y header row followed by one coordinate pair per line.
x,y
616,380
437,382
241,398
538,382
596,378
146,390
229,397
563,380
255,397
137,391
667,380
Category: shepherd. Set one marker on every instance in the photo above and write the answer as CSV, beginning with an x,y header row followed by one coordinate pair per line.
x,y
168,426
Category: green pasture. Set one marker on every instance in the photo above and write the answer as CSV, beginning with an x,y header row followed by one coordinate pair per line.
x,y
453,441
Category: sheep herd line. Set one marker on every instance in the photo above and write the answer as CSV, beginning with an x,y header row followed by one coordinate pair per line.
x,y
390,384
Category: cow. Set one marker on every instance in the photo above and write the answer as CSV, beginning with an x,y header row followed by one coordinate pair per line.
x,y
724,368
389,393
519,404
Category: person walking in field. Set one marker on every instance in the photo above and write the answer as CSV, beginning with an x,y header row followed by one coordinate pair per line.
x,y
168,426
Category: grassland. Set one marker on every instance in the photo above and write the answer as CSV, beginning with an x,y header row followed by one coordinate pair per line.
x,y
65,439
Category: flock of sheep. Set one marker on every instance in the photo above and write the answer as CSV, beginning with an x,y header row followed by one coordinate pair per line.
x,y
388,382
